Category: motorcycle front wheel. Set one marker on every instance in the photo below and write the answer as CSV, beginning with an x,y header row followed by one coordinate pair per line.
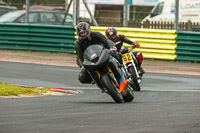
x,y
134,78
109,84
129,96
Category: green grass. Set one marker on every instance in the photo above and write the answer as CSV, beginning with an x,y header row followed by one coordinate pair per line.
x,y
14,90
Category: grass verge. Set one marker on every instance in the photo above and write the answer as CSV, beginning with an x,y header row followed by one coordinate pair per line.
x,y
14,90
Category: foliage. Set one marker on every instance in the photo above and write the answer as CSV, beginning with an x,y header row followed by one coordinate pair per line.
x,y
13,90
19,3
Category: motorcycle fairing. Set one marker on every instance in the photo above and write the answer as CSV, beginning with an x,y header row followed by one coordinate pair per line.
x,y
123,82
93,52
95,56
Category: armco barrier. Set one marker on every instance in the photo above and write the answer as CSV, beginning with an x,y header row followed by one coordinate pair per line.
x,y
54,38
188,46
155,44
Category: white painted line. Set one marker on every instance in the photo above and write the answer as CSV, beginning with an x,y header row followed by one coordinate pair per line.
x,y
164,90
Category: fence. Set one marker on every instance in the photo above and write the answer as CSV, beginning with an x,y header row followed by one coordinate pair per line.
x,y
155,44
188,46
186,26
37,37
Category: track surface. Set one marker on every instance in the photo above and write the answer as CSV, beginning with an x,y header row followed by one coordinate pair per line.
x,y
167,103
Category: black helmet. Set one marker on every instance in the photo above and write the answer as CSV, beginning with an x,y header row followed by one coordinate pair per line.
x,y
111,33
83,30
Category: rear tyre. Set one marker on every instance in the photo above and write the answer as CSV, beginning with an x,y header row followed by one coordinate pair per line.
x,y
134,78
109,84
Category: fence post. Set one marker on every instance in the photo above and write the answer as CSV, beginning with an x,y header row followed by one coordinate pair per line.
x,y
27,10
177,14
189,25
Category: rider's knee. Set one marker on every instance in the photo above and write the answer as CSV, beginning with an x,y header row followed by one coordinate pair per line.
x,y
84,78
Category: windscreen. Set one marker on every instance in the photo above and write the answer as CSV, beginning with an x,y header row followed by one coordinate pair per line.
x,y
93,52
10,16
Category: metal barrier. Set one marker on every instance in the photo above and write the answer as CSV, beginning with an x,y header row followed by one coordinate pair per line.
x,y
188,46
53,38
155,44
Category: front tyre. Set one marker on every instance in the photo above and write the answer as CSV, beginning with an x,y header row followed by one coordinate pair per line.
x,y
129,96
134,78
109,84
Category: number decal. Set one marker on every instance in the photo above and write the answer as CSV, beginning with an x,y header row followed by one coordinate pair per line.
x,y
126,57
129,57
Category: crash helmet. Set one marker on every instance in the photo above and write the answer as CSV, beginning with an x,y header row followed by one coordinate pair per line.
x,y
83,30
111,33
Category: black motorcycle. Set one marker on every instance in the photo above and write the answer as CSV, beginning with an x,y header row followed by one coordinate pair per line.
x,y
104,70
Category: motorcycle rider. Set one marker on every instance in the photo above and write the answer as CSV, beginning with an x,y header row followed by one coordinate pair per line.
x,y
118,39
87,38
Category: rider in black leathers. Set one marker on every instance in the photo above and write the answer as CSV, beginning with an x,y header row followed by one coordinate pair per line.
x,y
118,39
87,38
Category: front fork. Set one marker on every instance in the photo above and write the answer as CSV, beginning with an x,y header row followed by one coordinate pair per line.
x,y
126,66
134,65
95,77
122,81
118,72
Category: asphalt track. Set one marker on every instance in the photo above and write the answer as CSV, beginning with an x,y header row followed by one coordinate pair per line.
x,y
168,103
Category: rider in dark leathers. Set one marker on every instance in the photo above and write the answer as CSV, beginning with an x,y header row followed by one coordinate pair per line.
x,y
118,39
87,38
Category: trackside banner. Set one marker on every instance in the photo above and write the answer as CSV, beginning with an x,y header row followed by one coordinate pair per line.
x,y
109,2
121,2
143,2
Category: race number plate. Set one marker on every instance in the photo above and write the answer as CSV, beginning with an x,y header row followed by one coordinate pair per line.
x,y
126,58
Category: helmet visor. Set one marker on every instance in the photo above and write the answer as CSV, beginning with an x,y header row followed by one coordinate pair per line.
x,y
83,34
111,36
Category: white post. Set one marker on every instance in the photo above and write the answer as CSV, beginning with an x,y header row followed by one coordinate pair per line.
x,y
176,15
27,10
74,12
125,14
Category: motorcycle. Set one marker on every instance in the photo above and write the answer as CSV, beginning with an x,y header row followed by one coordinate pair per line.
x,y
130,65
98,62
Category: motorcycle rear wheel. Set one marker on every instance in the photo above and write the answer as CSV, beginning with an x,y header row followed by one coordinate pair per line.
x,y
109,84
134,78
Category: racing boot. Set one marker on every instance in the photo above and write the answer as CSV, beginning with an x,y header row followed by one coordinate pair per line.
x,y
140,69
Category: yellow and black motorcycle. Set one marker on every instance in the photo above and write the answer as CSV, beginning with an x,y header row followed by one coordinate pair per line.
x,y
130,65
